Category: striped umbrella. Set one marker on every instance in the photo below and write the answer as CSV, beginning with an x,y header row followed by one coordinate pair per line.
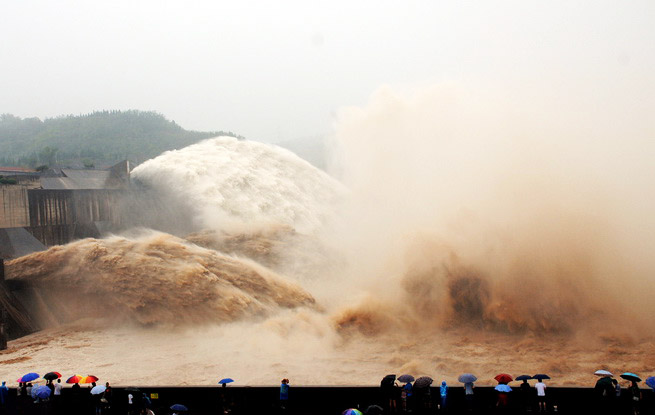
x,y
74,379
89,379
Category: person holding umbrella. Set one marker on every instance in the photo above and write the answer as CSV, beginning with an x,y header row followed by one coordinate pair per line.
x,y
604,390
406,391
526,392
503,396
633,391
503,390
389,387
468,380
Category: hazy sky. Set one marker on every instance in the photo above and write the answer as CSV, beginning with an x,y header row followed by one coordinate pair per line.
x,y
279,70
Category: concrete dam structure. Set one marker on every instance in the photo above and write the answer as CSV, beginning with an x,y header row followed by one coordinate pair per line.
x,y
40,210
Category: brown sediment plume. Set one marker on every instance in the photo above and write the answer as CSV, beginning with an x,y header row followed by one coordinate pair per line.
x,y
276,246
557,286
263,245
154,279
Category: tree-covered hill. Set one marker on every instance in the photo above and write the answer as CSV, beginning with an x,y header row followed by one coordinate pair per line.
x,y
100,138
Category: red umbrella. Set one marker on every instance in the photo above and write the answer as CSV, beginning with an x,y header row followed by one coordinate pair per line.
x,y
504,378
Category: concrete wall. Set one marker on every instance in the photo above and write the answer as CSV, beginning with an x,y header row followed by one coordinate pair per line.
x,y
14,211
57,217
60,216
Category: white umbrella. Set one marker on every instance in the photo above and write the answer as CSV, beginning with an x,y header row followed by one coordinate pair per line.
x,y
602,372
97,390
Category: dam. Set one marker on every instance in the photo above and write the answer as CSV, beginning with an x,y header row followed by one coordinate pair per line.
x,y
42,209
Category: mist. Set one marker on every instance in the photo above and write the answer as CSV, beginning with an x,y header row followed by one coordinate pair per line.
x,y
498,210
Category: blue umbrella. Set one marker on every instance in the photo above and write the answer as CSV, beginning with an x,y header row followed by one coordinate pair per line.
x,y
524,377
28,377
631,376
405,378
503,388
178,407
42,392
651,382
226,380
467,378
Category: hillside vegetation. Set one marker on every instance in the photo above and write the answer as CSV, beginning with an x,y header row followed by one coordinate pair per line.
x,y
99,138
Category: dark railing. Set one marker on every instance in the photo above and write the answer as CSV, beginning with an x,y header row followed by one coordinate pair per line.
x,y
316,400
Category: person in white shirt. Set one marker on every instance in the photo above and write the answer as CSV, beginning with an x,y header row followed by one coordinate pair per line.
x,y
58,386
541,395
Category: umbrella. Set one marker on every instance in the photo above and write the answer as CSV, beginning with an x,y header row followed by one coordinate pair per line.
x,y
74,379
226,380
651,382
503,388
352,411
631,376
603,372
405,378
467,378
41,392
132,389
423,382
540,376
52,376
28,377
524,377
89,379
178,407
388,380
503,378
374,410
97,390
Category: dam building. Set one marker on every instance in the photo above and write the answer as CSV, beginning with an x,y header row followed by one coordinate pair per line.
x,y
39,210
58,206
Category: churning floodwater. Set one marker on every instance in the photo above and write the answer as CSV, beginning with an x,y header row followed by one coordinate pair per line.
x,y
456,232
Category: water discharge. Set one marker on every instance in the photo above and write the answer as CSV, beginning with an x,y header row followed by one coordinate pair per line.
x,y
467,232
154,279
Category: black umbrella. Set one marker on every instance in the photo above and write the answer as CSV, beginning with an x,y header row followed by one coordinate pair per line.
x,y
423,382
540,376
524,377
388,381
52,376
